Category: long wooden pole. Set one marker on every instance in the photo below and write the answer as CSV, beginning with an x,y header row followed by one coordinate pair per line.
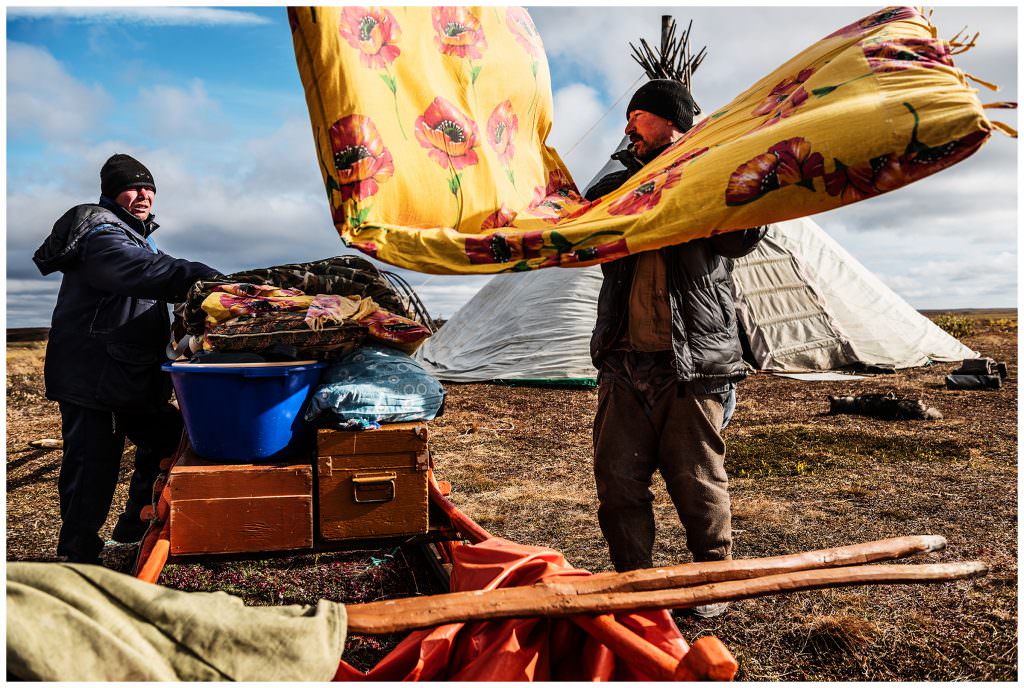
x,y
717,571
392,616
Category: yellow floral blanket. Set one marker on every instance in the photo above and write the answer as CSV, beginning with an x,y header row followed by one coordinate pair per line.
x,y
430,128
229,301
254,317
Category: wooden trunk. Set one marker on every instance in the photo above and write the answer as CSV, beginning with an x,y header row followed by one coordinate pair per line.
x,y
224,508
373,483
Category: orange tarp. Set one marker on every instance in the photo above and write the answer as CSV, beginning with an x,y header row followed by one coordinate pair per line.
x,y
518,649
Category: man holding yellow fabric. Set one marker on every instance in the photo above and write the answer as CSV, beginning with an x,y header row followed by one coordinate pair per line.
x,y
668,351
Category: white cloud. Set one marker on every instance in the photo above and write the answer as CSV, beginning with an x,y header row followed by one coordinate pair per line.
x,y
285,157
576,106
258,202
585,133
186,114
32,286
44,100
961,202
30,214
594,40
153,16
36,197
953,271
962,281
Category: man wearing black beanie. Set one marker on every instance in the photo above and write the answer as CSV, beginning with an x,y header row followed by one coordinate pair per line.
x,y
121,172
107,340
661,110
668,351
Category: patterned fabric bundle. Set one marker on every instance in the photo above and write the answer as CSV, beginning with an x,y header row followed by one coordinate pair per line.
x,y
233,300
250,317
400,333
430,128
331,308
284,329
341,275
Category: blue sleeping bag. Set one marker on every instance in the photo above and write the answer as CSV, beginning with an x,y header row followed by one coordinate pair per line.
x,y
375,384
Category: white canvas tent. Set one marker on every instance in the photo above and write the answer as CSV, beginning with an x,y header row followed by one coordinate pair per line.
x,y
803,302
523,326
806,304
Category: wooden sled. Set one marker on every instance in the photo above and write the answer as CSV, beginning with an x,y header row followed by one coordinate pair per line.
x,y
449,528
590,602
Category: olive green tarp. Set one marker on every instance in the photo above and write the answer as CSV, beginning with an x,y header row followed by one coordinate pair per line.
x,y
75,622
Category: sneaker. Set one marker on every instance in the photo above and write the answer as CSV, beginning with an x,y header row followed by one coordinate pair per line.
x,y
707,611
128,530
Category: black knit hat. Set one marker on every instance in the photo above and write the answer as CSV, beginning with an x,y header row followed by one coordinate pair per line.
x,y
122,172
666,98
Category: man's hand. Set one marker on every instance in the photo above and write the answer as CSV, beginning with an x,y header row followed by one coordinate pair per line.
x,y
738,243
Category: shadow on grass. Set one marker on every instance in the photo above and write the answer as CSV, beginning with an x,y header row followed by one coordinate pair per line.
x,y
32,477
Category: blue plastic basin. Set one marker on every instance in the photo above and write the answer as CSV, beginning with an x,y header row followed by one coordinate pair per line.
x,y
243,413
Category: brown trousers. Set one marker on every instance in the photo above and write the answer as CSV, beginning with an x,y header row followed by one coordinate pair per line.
x,y
648,421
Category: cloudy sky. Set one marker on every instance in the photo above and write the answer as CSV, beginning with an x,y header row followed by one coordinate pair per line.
x,y
210,100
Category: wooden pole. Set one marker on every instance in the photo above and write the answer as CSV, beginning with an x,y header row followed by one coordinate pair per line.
x,y
717,571
666,30
556,600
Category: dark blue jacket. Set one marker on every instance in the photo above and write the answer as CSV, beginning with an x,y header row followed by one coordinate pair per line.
x,y
110,326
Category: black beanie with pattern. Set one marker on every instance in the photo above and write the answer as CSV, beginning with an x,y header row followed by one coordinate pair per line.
x,y
122,172
666,98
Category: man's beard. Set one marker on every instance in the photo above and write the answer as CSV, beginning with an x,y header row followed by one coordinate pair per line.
x,y
648,153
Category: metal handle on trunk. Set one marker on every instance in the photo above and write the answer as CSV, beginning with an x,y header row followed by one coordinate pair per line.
x,y
379,487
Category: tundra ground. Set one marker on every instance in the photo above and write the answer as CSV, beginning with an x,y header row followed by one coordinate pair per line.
x,y
520,463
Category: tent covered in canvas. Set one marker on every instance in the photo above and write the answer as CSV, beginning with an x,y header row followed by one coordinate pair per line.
x,y
529,327
803,304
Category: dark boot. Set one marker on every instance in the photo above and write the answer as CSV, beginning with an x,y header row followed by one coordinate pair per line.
x,y
129,528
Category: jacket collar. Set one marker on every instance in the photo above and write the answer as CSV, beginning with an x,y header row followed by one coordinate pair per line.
x,y
143,229
633,163
657,152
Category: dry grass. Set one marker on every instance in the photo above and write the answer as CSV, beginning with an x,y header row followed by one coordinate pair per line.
x,y
836,634
520,462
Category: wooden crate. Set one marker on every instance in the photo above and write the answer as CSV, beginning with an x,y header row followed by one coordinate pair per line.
x,y
225,508
373,483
